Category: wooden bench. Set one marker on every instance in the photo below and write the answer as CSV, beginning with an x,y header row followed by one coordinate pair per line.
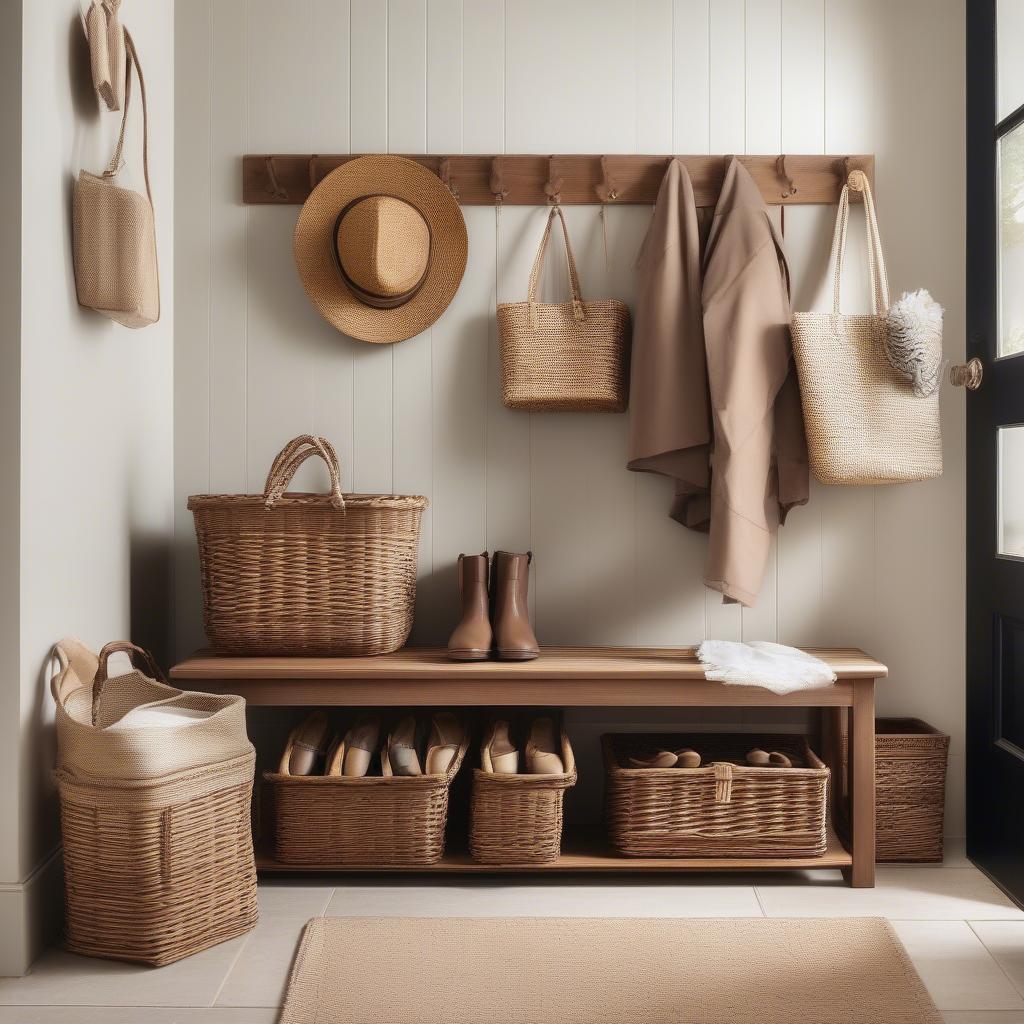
x,y
574,677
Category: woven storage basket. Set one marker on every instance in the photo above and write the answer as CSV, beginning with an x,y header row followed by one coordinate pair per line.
x,y
567,356
865,424
307,573
723,809
158,857
910,790
398,821
517,819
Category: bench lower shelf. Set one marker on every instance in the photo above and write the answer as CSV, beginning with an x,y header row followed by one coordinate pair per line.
x,y
583,850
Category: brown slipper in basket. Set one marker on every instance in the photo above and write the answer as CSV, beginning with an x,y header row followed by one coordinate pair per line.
x,y
399,756
757,758
446,735
543,750
683,758
687,758
309,744
500,754
777,760
360,745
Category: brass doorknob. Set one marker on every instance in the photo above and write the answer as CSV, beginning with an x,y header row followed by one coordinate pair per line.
x,y
967,375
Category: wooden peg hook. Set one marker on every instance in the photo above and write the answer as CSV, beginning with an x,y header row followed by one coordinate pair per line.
x,y
444,172
553,188
273,185
790,185
498,189
606,191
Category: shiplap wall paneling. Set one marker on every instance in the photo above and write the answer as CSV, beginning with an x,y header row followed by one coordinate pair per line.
x,y
878,567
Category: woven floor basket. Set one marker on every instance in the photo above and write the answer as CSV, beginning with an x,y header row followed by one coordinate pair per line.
x,y
723,809
864,423
567,356
368,822
158,856
910,790
307,573
517,819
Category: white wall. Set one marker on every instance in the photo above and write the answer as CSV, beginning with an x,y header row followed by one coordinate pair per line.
x,y
95,420
880,568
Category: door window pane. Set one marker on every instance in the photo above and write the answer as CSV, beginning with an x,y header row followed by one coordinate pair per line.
x,y
1010,504
1010,56
1011,243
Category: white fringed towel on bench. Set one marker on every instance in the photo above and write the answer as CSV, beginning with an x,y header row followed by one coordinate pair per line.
x,y
776,667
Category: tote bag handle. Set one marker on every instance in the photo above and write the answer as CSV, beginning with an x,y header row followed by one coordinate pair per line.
x,y
876,260
538,265
115,161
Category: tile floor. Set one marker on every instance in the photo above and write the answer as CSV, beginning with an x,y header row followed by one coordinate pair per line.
x,y
965,937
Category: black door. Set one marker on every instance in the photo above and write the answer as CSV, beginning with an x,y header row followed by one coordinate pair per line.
x,y
995,441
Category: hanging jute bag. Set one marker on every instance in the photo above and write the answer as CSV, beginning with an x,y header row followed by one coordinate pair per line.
x,y
114,233
566,356
158,856
290,573
865,424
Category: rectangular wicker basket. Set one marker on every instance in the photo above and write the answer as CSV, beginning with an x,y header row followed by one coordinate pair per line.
x,y
157,870
724,808
910,790
517,819
374,821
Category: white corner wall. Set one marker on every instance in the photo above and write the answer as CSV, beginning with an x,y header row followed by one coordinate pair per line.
x,y
881,568
95,473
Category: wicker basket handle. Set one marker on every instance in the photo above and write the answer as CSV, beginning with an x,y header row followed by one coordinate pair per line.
x,y
538,265
140,658
876,260
293,455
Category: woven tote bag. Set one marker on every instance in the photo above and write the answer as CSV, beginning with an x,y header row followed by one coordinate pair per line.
x,y
114,233
156,821
864,423
290,573
566,356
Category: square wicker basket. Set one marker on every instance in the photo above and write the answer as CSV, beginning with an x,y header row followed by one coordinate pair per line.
x,y
375,821
517,819
724,808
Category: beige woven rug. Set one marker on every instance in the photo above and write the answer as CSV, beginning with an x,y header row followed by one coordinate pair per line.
x,y
603,971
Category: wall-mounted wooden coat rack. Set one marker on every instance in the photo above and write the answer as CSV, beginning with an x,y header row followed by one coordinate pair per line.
x,y
537,180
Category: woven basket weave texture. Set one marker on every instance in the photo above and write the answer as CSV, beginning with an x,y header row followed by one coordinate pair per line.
x,y
723,809
307,573
517,819
568,356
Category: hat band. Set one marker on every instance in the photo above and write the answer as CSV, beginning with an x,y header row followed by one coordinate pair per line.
x,y
372,298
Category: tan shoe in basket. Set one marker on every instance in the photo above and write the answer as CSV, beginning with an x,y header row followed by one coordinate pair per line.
x,y
500,754
543,749
683,758
360,745
399,756
309,744
762,759
446,736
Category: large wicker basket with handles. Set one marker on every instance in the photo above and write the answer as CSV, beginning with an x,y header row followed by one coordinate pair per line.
x,y
566,356
517,819
287,573
373,821
158,855
725,808
865,424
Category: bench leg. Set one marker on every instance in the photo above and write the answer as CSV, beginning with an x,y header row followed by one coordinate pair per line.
x,y
862,785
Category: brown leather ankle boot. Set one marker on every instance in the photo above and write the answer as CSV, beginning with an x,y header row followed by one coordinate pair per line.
x,y
513,634
473,636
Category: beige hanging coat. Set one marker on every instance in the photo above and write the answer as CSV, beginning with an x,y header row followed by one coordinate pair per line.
x,y
759,462
669,407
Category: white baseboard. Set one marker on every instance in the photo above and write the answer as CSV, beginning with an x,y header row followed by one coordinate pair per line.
x,y
31,916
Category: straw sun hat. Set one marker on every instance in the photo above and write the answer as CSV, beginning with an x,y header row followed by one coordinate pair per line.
x,y
381,247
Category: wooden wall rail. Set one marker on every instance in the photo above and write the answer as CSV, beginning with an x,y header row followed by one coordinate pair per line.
x,y
536,180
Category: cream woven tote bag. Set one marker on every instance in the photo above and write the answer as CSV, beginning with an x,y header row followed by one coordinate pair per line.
x,y
565,356
864,423
114,232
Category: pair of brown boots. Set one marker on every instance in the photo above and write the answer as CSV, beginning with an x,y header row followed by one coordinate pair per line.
x,y
495,619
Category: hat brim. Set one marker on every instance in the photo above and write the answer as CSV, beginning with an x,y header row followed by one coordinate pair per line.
x,y
382,175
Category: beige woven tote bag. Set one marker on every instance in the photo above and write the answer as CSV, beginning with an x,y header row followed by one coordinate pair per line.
x,y
566,356
864,423
114,231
